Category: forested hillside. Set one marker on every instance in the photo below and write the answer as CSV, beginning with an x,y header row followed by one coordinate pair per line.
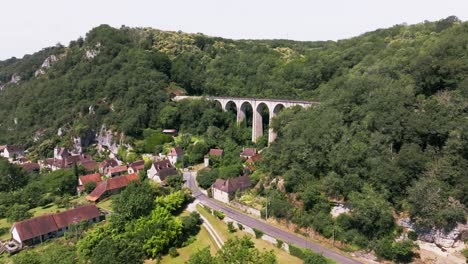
x,y
390,135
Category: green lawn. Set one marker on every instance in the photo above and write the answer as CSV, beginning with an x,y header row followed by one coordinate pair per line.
x,y
221,228
203,239
106,204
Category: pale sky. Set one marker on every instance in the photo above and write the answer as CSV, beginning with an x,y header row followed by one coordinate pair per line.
x,y
27,26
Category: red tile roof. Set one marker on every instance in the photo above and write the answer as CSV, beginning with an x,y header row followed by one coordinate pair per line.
x,y
118,169
138,165
248,152
110,163
216,152
36,226
111,184
254,158
76,215
95,177
32,166
89,165
44,224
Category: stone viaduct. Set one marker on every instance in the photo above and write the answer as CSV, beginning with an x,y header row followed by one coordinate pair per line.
x,y
258,105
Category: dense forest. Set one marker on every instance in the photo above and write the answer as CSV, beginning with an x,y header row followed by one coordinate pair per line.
x,y
389,138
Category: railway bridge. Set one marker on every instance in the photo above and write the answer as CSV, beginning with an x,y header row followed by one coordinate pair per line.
x,y
258,105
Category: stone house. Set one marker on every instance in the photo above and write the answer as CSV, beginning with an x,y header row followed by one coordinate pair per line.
x,y
106,165
12,152
136,166
223,190
160,170
175,155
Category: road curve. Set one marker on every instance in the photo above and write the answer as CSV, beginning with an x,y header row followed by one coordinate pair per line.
x,y
266,228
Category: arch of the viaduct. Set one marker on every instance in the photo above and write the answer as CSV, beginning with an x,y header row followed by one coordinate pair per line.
x,y
257,105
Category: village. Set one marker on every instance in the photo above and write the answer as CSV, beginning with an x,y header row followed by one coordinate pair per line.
x,y
100,180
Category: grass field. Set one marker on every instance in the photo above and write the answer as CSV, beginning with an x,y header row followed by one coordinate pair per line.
x,y
221,228
106,204
203,239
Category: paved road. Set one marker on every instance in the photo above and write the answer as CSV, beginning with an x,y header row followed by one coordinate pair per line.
x,y
266,228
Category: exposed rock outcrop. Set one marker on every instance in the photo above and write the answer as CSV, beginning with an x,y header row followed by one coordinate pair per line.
x,y
91,53
105,138
46,65
439,237
15,78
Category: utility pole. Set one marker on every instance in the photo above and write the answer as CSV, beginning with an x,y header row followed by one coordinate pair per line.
x,y
266,210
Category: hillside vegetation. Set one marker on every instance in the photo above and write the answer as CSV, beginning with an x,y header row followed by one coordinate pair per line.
x,y
390,135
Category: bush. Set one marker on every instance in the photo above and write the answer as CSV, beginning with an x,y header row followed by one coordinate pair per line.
x,y
231,227
412,235
296,251
314,258
219,214
258,233
279,243
173,252
18,212
401,252
89,186
240,226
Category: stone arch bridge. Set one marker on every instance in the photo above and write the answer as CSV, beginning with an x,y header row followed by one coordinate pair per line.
x,y
258,105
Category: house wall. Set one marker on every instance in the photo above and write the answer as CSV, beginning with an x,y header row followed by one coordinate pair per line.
x,y
220,195
15,235
152,173
172,159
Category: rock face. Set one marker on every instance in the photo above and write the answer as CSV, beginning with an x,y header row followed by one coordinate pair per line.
x,y
46,65
438,236
339,209
15,78
77,147
105,138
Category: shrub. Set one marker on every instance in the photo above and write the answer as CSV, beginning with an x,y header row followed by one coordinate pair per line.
x,y
240,226
279,243
401,251
296,251
258,233
231,227
314,258
219,214
18,212
465,253
412,235
173,252
89,186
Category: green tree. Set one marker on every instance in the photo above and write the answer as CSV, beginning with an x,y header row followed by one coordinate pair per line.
x,y
138,199
371,213
12,177
89,186
18,212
